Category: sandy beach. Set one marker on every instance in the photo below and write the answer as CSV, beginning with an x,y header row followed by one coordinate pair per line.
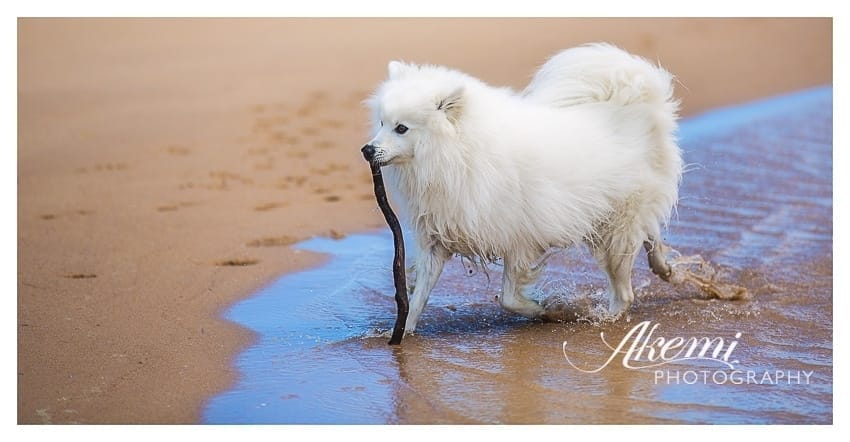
x,y
165,166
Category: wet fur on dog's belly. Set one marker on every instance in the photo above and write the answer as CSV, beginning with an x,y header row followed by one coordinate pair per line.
x,y
461,243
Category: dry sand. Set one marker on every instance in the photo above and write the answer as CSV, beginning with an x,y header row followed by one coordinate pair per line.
x,y
165,165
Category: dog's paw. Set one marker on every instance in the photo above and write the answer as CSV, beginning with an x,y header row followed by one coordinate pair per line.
x,y
617,308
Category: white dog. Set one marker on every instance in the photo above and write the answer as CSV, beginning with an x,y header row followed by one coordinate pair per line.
x,y
585,154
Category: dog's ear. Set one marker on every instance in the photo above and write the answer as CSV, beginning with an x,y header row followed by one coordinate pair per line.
x,y
452,104
395,69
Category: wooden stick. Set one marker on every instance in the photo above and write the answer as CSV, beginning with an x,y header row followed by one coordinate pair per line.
x,y
398,260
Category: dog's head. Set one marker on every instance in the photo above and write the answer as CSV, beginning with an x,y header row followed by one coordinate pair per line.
x,y
412,111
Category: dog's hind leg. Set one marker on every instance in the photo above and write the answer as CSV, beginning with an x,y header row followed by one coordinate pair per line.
x,y
655,250
514,281
615,252
429,266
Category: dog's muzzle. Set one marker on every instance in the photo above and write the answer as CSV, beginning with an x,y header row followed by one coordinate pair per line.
x,y
375,155
368,152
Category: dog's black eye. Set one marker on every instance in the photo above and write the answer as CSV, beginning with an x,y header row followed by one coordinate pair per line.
x,y
400,129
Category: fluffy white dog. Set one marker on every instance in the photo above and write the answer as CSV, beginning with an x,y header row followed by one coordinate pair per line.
x,y
585,154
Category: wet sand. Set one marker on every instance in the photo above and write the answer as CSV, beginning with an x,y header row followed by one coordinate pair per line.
x,y
165,166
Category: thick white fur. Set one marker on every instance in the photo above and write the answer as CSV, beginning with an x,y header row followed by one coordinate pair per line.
x,y
585,154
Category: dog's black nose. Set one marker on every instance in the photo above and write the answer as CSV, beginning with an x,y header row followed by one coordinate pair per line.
x,y
368,152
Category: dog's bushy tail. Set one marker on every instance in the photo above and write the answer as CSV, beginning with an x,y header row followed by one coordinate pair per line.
x,y
600,72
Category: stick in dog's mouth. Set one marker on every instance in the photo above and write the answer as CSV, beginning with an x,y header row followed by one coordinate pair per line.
x,y
399,278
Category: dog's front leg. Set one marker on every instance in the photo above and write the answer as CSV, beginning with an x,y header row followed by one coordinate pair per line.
x,y
429,265
515,280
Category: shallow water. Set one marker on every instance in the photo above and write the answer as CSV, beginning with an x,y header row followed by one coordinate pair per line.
x,y
756,202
